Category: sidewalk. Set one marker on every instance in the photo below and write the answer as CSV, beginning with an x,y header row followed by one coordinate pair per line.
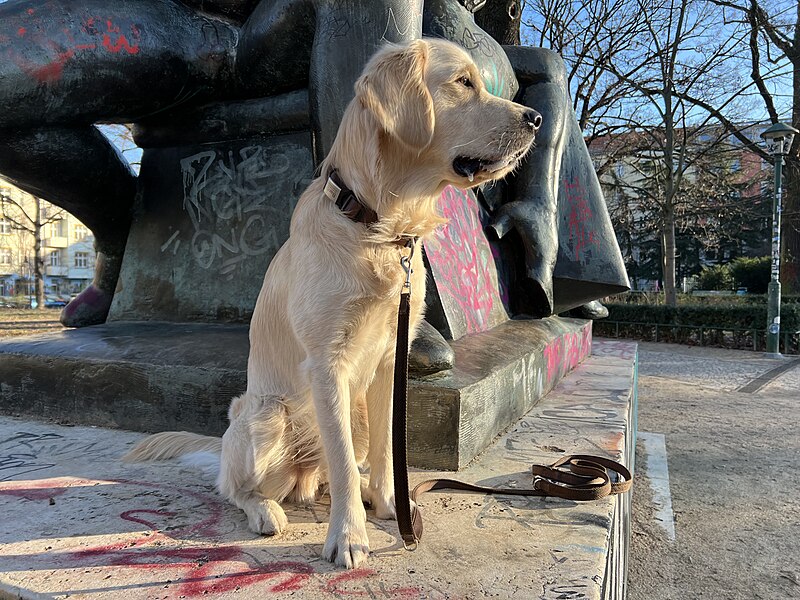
x,y
76,522
715,500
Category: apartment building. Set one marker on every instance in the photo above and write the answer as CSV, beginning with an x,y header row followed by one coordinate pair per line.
x,y
722,209
67,245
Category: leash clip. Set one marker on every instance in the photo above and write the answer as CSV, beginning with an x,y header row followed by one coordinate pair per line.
x,y
405,262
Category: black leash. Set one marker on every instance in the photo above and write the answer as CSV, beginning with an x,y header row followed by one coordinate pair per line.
x,y
409,523
576,477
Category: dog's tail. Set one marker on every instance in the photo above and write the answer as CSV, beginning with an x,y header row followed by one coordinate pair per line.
x,y
172,444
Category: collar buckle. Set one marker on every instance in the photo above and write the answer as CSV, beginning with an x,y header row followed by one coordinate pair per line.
x,y
347,202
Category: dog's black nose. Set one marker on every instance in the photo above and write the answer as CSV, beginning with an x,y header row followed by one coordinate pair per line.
x,y
533,119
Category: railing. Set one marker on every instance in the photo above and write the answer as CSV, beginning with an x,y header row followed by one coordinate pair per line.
x,y
740,338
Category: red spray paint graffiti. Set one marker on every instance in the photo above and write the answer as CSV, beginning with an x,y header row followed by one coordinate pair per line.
x,y
197,570
67,44
581,237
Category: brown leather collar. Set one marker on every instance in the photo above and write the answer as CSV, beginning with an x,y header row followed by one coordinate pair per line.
x,y
347,201
352,207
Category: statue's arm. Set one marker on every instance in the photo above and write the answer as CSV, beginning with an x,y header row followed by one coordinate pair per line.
x,y
534,65
274,49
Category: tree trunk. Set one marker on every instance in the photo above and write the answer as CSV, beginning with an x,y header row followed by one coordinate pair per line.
x,y
38,263
790,225
668,258
790,228
501,19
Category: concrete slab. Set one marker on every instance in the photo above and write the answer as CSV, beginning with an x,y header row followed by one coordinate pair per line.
x,y
153,376
79,523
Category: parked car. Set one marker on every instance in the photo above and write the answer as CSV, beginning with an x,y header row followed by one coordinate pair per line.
x,y
55,302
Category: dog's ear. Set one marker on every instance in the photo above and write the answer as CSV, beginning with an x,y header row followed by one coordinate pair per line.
x,y
393,89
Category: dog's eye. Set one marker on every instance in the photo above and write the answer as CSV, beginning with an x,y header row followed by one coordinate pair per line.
x,y
465,81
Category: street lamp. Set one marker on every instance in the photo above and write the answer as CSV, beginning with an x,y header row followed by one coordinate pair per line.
x,y
778,138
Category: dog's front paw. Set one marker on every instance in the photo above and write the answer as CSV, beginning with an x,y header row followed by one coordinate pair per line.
x,y
347,546
266,517
383,503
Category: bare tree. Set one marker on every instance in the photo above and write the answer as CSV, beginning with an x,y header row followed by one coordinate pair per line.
x,y
773,46
590,35
31,222
636,66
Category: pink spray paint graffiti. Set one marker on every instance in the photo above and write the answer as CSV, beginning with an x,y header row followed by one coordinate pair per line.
x,y
463,262
566,352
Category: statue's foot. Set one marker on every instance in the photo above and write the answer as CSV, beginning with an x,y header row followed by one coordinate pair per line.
x,y
90,307
590,310
430,352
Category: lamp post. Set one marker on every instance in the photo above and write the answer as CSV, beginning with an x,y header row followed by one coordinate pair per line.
x,y
778,138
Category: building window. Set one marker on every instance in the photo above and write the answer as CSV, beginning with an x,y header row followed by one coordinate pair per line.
x,y
55,259
81,232
5,227
55,229
81,260
5,256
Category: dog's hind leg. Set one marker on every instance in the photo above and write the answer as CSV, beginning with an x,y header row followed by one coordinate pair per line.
x,y
254,474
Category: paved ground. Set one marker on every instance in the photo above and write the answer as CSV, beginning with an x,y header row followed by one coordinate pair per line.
x,y
733,452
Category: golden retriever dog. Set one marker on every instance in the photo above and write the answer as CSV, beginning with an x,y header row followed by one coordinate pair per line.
x,y
322,337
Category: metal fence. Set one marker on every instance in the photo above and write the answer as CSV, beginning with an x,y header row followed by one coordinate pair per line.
x,y
740,338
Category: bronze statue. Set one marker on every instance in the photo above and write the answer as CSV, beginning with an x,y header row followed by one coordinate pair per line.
x,y
68,64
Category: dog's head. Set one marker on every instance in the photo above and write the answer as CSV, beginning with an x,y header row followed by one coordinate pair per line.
x,y
430,102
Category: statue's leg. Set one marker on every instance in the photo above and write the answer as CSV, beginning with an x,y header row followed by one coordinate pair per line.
x,y
347,34
78,170
66,65
533,212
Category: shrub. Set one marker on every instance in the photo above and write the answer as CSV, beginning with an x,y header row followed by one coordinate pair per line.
x,y
751,273
717,277
739,316
730,325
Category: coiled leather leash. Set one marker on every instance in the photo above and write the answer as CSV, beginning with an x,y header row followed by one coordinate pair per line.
x,y
576,477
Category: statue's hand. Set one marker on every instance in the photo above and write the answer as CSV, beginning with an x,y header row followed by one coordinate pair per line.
x,y
529,219
534,222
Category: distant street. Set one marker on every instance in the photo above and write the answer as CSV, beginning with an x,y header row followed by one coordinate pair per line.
x,y
719,448
24,321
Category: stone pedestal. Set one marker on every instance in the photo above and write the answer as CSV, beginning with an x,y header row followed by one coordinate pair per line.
x,y
209,220
156,376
